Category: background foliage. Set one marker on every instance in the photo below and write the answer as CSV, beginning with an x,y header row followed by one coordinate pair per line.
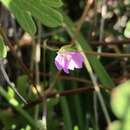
x,y
93,98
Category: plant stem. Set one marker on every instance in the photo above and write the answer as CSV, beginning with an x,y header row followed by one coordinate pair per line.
x,y
63,93
11,84
96,87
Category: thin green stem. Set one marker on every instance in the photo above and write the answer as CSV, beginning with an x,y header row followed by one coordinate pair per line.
x,y
96,86
44,113
37,60
102,23
46,46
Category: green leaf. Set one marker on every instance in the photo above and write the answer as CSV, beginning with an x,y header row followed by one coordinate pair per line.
x,y
120,125
45,14
28,127
51,103
76,128
52,3
127,30
116,125
41,125
21,84
11,97
10,93
3,48
42,10
14,102
120,101
65,110
22,16
6,119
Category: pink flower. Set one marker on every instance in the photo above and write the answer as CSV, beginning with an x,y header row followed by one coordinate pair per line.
x,y
68,61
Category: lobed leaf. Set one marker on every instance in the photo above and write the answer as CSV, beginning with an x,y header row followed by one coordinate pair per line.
x,y
120,101
42,10
22,16
45,14
127,30
116,125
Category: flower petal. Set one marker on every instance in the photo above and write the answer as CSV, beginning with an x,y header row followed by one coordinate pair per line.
x,y
77,59
58,66
68,61
66,70
61,63
58,58
71,65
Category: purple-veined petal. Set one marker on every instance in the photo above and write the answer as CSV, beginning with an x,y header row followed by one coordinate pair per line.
x,y
66,70
77,56
65,66
61,60
61,63
58,66
58,58
77,59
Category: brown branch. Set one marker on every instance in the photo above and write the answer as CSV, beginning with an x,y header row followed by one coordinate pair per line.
x,y
106,54
93,43
82,19
114,42
64,93
84,14
57,76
